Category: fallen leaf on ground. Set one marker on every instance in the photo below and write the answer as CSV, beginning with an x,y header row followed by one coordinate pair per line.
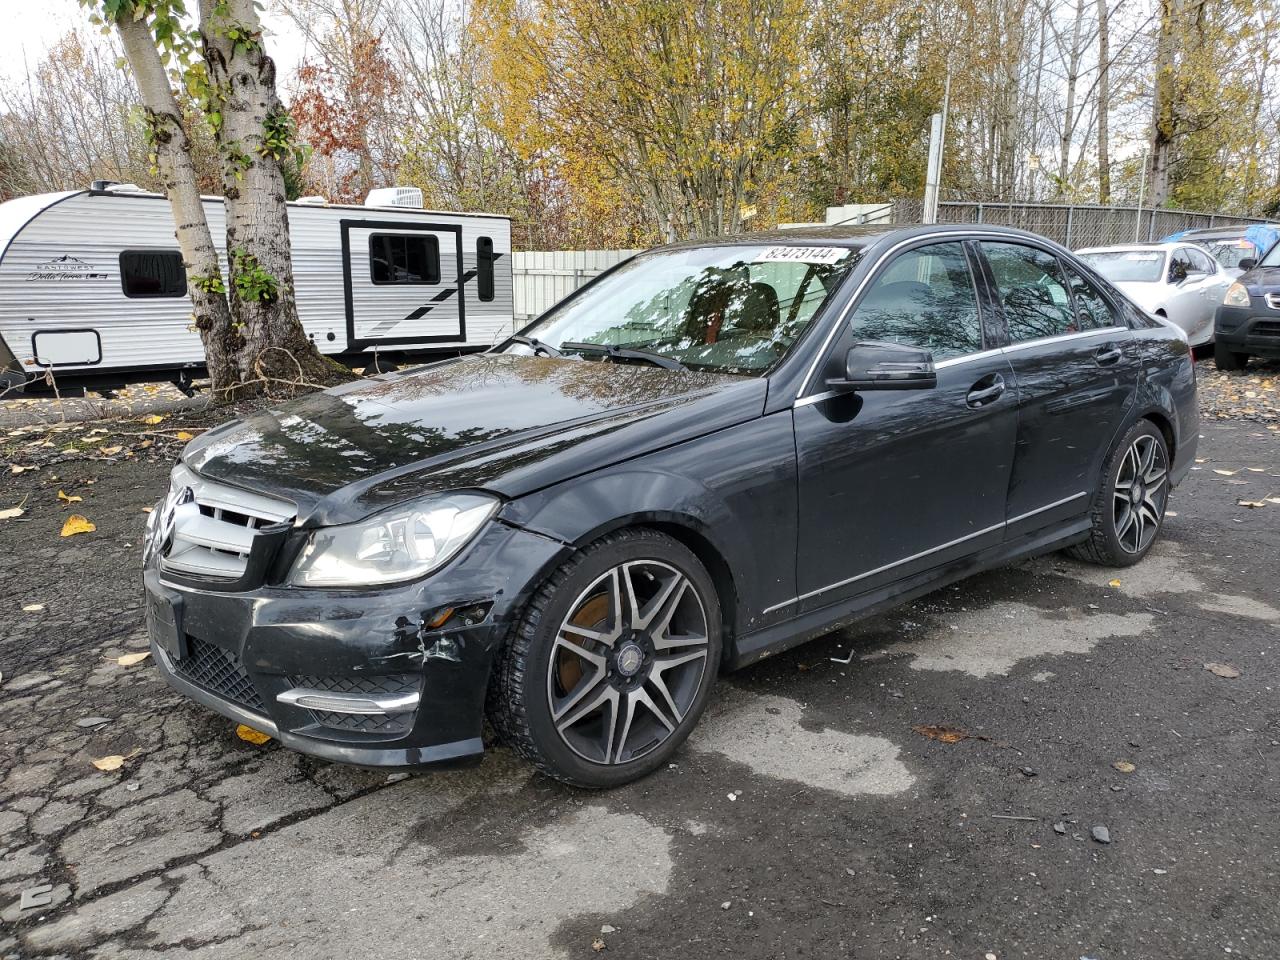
x,y
1113,583
1251,504
115,761
1124,766
69,498
16,468
33,608
129,659
152,420
77,524
251,735
946,734
598,944
1222,670
147,509
11,513
1226,473
184,435
1257,469
109,451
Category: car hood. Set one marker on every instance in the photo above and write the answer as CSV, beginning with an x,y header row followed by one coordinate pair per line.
x,y
1261,279
499,422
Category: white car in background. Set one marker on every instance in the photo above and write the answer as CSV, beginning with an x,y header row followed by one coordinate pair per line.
x,y
1179,282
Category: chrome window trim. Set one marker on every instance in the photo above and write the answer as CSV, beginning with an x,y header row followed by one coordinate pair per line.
x,y
924,553
1062,337
943,236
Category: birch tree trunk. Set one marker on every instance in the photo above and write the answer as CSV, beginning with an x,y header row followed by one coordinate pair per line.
x,y
254,134
210,312
1104,104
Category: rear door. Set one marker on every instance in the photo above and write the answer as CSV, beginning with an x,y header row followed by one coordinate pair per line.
x,y
1076,368
403,283
895,482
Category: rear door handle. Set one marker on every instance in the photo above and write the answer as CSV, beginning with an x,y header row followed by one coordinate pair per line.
x,y
1108,354
987,390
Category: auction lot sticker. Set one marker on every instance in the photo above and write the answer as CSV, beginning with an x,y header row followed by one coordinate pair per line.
x,y
802,255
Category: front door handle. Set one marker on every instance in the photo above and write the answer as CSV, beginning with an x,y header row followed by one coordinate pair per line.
x,y
1108,354
987,390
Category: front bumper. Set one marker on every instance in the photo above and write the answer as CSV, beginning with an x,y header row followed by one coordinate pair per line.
x,y
250,655
1254,329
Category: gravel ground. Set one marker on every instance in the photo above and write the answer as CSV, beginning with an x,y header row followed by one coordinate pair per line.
x,y
815,812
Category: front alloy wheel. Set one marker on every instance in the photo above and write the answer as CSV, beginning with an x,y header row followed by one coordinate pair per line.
x,y
610,668
627,662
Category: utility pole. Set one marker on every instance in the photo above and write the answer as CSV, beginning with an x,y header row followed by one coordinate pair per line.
x,y
933,173
1142,186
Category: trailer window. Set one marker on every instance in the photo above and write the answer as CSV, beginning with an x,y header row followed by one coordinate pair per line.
x,y
152,273
484,268
404,258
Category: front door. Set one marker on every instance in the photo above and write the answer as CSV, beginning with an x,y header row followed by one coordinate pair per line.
x,y
1076,366
894,482
403,283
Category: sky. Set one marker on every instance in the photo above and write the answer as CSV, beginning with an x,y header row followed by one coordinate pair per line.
x,y
35,25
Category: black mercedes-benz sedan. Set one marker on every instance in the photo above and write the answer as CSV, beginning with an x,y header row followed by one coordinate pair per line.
x,y
711,453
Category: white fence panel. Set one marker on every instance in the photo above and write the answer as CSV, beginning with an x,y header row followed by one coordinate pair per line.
x,y
542,278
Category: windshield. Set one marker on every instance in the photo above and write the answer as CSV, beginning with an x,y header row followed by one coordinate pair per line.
x,y
1229,253
1119,266
1272,259
727,309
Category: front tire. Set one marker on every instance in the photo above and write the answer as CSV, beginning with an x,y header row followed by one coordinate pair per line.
x,y
612,662
1227,359
1128,508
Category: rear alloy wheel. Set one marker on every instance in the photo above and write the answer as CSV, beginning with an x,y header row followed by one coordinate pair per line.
x,y
611,666
1128,510
1225,359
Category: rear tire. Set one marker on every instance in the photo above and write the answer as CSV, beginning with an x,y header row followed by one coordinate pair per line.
x,y
611,664
1227,359
1128,508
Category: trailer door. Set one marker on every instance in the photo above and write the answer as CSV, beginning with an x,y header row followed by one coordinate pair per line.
x,y
403,283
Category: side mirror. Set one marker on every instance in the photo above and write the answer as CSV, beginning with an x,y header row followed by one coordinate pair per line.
x,y
872,365
1247,263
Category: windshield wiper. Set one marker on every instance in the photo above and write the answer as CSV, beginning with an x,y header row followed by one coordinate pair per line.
x,y
623,353
536,345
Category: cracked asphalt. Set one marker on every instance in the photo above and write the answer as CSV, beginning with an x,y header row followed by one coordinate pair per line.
x,y
805,818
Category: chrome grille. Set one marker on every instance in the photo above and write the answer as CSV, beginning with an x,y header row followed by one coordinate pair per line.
x,y
207,529
1273,300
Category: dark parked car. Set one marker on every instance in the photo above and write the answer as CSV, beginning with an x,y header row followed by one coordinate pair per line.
x,y
1248,322
711,453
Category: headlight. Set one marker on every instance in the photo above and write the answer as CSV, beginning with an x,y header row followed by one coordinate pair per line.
x,y
1237,296
402,544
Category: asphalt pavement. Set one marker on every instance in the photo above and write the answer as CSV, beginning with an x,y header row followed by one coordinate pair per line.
x,y
927,784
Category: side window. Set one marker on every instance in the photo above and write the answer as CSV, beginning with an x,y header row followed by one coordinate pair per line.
x,y
1092,309
152,273
925,298
1180,265
1032,291
484,268
1200,262
404,258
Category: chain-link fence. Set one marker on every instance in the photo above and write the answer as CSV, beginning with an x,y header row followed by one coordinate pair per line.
x,y
1072,225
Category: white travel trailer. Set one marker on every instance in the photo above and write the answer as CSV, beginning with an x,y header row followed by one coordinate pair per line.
x,y
92,285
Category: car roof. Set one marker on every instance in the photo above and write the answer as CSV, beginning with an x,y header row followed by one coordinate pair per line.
x,y
857,235
1122,247
1216,233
